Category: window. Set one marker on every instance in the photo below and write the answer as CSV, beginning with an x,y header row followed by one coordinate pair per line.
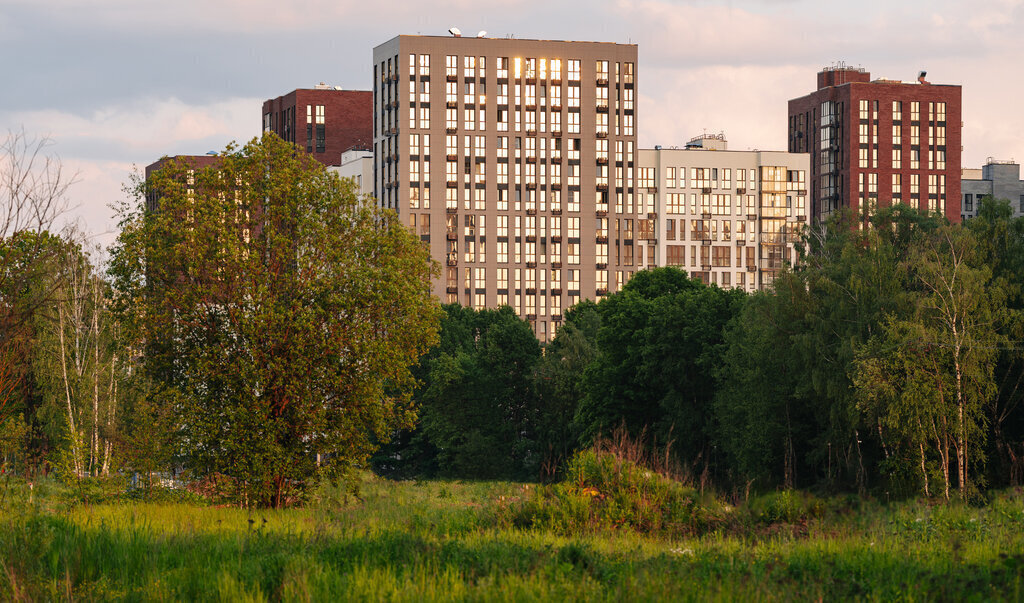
x,y
675,255
574,69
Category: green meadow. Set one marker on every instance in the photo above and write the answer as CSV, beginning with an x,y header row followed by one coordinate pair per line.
x,y
652,539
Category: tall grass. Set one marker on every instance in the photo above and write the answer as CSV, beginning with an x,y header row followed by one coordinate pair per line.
x,y
443,540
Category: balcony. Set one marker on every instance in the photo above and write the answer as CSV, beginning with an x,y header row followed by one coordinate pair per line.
x,y
602,134
602,161
601,266
556,291
556,265
556,108
451,105
452,236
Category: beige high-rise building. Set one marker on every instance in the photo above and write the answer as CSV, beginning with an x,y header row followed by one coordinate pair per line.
x,y
514,161
725,217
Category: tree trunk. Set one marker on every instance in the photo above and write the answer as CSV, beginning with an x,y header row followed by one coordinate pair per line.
x,y
112,397
924,471
94,461
961,429
67,391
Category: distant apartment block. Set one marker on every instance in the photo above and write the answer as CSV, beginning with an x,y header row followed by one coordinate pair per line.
x,y
195,163
325,121
514,160
357,164
725,217
998,178
878,142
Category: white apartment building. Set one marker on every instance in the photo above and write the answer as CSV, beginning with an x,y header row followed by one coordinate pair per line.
x,y
726,217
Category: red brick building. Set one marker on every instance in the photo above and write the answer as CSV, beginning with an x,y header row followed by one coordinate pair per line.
x,y
324,121
878,142
195,162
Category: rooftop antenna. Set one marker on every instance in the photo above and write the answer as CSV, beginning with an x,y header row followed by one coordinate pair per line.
x,y
921,76
455,31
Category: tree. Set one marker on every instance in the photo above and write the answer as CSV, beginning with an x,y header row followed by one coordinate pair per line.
x,y
33,189
478,405
1000,240
659,342
277,316
559,384
960,314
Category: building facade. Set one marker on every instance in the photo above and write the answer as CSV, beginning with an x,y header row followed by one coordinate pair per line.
x,y
998,178
357,164
514,160
878,142
725,217
325,121
195,163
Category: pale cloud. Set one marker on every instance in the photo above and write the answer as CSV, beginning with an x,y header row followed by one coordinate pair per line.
x,y
104,148
145,128
123,82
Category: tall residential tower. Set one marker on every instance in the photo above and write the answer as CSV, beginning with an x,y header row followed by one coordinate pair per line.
x,y
878,142
514,160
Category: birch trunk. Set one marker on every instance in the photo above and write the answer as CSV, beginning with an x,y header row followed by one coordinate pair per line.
x,y
75,452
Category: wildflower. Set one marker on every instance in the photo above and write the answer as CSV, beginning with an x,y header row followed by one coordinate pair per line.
x,y
681,551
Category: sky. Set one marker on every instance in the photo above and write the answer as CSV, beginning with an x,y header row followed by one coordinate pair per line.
x,y
117,84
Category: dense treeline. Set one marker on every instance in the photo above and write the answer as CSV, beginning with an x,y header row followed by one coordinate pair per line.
x,y
889,360
267,346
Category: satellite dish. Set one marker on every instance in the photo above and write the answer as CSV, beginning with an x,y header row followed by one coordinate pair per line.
x,y
455,31
481,34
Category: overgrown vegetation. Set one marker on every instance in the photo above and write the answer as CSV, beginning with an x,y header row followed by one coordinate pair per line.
x,y
453,540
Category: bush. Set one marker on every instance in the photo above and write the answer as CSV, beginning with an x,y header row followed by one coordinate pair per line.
x,y
603,491
785,506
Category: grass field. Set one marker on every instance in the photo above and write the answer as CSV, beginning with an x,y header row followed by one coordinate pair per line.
x,y
438,540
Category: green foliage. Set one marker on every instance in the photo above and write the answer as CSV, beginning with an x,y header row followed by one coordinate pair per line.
x,y
560,384
659,341
604,491
478,405
279,316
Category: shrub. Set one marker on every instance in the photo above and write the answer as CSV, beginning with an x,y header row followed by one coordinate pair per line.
x,y
603,491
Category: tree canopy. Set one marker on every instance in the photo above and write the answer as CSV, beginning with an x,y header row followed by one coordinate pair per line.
x,y
278,315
